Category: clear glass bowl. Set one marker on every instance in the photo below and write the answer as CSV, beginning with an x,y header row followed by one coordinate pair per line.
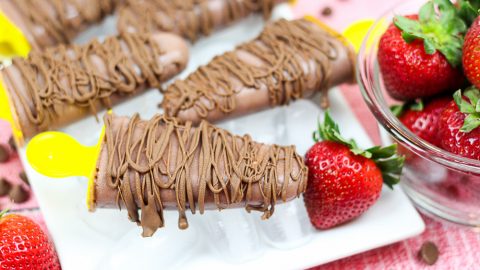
x,y
440,183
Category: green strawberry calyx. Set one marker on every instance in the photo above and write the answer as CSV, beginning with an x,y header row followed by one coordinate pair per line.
x,y
439,26
468,10
4,212
416,105
385,158
469,106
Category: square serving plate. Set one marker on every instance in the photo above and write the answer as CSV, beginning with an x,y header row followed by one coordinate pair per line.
x,y
107,240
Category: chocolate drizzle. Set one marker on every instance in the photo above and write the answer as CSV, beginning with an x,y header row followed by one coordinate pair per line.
x,y
188,18
84,76
280,60
153,164
61,20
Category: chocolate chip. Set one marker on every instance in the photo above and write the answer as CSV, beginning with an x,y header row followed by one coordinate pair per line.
x,y
24,177
12,144
327,11
428,253
18,194
5,187
4,155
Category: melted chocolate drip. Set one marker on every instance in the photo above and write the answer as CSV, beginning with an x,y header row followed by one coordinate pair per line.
x,y
203,167
275,61
65,76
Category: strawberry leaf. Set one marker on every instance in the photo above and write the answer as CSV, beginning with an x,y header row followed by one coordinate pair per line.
x,y
4,212
328,130
468,10
469,103
397,110
385,158
440,27
416,105
426,13
471,122
389,163
429,46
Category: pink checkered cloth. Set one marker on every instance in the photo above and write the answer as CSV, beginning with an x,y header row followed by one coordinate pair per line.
x,y
459,247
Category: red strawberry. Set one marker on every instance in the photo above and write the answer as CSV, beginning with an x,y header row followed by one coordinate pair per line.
x,y
343,181
24,245
420,55
423,120
459,124
471,54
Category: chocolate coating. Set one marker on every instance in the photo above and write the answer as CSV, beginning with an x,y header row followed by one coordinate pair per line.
x,y
429,253
5,187
162,164
64,84
23,176
12,143
18,194
47,23
288,61
4,154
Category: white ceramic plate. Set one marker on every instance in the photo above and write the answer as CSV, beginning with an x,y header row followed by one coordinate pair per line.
x,y
230,239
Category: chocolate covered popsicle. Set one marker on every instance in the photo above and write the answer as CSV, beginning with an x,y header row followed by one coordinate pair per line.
x,y
289,60
66,83
189,18
50,22
161,164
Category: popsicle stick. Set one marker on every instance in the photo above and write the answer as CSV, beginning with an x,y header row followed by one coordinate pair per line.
x,y
7,114
58,155
358,30
12,40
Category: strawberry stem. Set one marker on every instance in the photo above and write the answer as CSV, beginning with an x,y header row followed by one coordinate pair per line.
x,y
385,158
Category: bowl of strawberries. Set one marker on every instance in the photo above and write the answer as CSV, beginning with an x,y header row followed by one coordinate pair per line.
x,y
419,71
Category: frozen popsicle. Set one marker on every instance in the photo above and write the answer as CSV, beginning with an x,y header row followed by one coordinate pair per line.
x,y
289,60
161,164
189,18
46,23
54,88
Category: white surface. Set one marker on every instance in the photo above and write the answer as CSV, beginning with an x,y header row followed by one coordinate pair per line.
x,y
107,240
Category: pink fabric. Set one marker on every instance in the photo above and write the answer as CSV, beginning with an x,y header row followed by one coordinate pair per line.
x,y
458,247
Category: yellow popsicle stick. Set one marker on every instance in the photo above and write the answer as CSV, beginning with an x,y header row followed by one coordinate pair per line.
x,y
356,32
6,114
56,154
12,41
